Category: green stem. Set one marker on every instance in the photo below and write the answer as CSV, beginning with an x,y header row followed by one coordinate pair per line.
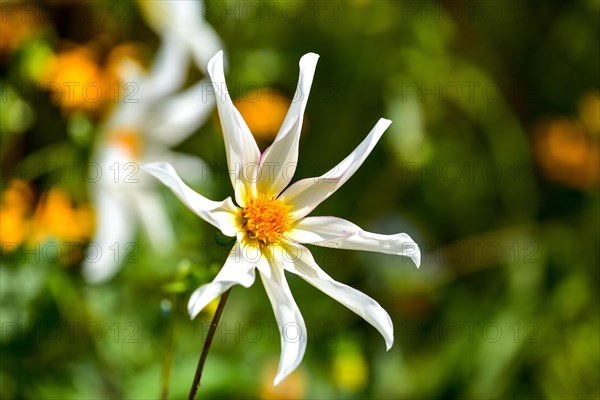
x,y
168,357
211,333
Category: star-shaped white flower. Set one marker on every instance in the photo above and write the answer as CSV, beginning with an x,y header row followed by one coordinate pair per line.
x,y
270,221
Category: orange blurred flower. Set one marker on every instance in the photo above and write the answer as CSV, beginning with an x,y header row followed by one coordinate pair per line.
x,y
15,208
20,21
293,387
57,217
118,54
568,149
264,111
54,217
77,81
566,153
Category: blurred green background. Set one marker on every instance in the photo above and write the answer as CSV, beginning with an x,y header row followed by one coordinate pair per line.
x,y
491,165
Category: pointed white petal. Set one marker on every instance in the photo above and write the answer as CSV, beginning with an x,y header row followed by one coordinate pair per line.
x,y
290,322
178,116
220,214
237,270
341,234
242,152
300,262
307,194
278,163
115,224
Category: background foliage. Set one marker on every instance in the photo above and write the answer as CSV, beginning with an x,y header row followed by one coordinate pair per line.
x,y
491,165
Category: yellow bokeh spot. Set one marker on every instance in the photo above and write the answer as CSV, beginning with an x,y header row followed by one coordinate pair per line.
x,y
350,370
589,112
264,111
265,219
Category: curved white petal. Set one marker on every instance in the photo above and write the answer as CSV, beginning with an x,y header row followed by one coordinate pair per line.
x,y
307,194
115,226
290,322
341,234
237,270
142,92
189,167
177,117
278,163
300,262
204,43
242,152
167,73
220,214
186,19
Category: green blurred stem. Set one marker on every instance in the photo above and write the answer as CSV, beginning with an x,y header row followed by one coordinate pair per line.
x,y
168,357
207,343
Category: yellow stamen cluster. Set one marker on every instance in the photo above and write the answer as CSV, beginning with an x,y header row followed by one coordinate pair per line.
x,y
265,219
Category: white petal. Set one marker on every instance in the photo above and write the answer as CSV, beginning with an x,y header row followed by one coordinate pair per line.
x,y
127,115
178,116
154,218
220,214
300,262
242,152
307,194
204,43
341,234
237,270
189,167
115,224
187,20
278,163
165,15
167,73
290,322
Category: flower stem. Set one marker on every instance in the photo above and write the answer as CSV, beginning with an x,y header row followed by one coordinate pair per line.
x,y
168,356
209,338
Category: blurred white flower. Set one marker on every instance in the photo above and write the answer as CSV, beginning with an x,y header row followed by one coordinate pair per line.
x,y
271,224
152,117
186,20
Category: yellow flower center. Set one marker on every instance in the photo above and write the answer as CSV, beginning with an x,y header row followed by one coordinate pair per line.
x,y
265,219
129,140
